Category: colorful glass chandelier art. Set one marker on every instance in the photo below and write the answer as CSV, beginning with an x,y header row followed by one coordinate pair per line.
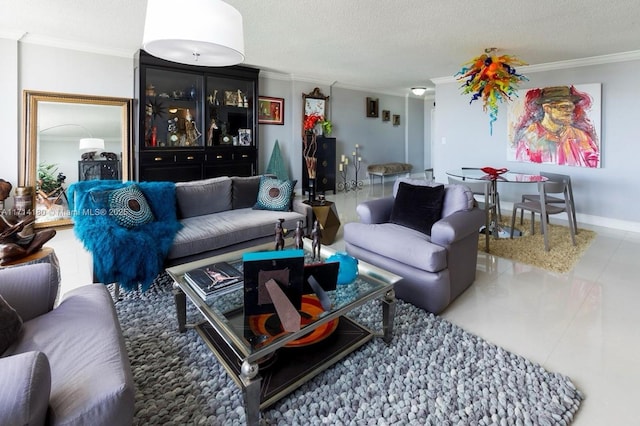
x,y
491,78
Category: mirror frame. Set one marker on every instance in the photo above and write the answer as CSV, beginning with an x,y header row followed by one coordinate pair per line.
x,y
322,102
27,168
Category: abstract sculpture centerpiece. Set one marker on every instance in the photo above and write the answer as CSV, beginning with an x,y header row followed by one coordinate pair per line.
x,y
492,78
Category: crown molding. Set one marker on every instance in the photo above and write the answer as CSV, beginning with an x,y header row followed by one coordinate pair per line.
x,y
74,45
574,63
275,75
14,35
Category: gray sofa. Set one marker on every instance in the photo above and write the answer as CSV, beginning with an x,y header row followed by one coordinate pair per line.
x,y
69,365
435,269
217,216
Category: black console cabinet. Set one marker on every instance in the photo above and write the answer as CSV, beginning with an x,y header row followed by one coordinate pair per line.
x,y
325,168
194,122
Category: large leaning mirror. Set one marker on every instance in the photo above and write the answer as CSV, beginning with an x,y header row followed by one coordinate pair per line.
x,y
70,138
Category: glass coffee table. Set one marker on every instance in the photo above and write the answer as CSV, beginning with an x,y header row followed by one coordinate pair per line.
x,y
269,365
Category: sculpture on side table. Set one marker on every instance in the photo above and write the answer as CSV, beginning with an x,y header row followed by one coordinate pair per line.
x,y
13,245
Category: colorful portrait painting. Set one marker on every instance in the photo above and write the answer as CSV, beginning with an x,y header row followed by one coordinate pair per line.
x,y
556,125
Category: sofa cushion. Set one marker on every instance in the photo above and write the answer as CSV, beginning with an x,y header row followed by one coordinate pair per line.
x,y
211,232
417,207
244,191
274,194
456,197
200,197
391,240
10,325
25,387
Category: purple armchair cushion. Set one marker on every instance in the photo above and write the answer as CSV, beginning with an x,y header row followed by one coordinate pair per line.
x,y
417,207
10,325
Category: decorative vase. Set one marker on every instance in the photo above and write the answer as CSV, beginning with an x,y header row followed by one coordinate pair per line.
x,y
348,269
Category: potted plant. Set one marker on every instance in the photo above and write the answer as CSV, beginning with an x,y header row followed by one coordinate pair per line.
x,y
47,178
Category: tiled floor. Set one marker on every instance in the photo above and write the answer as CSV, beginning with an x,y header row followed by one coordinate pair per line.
x,y
583,324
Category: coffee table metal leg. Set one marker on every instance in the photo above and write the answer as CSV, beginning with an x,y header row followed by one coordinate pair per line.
x,y
181,308
251,392
388,315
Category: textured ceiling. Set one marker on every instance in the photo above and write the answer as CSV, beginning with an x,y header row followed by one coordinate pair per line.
x,y
384,45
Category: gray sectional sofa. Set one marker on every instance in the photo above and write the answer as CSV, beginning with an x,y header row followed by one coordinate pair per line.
x,y
66,365
217,216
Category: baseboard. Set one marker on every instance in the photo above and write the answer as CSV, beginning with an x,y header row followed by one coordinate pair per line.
x,y
606,222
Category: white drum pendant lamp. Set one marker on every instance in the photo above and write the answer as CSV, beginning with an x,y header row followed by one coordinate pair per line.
x,y
195,32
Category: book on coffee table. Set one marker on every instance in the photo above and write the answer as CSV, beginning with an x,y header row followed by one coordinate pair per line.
x,y
216,278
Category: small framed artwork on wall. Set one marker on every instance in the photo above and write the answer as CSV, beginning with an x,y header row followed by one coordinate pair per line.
x,y
270,110
372,107
396,119
386,115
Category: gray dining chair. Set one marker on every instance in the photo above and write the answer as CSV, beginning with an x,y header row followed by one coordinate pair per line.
x,y
497,194
484,188
428,174
544,209
555,177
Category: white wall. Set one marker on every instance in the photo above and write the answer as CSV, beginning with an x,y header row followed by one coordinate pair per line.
x,y
604,196
9,111
35,67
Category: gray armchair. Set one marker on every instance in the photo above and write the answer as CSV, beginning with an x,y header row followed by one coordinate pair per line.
x,y
435,269
68,365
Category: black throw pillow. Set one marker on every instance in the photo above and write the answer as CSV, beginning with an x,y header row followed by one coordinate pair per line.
x,y
417,207
10,325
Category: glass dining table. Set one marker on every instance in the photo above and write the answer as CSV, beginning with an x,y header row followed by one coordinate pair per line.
x,y
499,176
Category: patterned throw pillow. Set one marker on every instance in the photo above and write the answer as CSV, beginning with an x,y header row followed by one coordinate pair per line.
x,y
129,208
10,325
274,194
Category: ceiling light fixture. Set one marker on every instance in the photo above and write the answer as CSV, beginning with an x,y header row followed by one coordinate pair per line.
x,y
418,91
491,78
195,32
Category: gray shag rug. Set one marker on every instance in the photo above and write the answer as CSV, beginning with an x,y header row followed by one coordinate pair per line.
x,y
433,373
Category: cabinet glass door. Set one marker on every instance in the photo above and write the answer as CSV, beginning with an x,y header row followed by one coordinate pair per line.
x,y
173,109
229,112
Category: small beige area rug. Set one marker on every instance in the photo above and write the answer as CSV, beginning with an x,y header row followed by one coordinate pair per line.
x,y
561,257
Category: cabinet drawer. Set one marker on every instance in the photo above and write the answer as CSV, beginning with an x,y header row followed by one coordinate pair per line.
x,y
186,157
219,156
244,155
157,157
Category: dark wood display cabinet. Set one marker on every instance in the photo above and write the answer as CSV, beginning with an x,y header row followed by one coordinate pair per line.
x,y
194,122
325,167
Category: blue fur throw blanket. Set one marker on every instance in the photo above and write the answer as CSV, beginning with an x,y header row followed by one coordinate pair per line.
x,y
132,257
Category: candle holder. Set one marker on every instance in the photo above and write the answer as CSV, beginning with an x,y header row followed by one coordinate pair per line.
x,y
355,184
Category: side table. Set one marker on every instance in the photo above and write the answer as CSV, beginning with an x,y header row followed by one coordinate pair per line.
x,y
327,216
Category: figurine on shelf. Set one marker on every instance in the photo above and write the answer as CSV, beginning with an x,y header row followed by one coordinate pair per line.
x,y
109,156
298,235
316,236
279,235
192,133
